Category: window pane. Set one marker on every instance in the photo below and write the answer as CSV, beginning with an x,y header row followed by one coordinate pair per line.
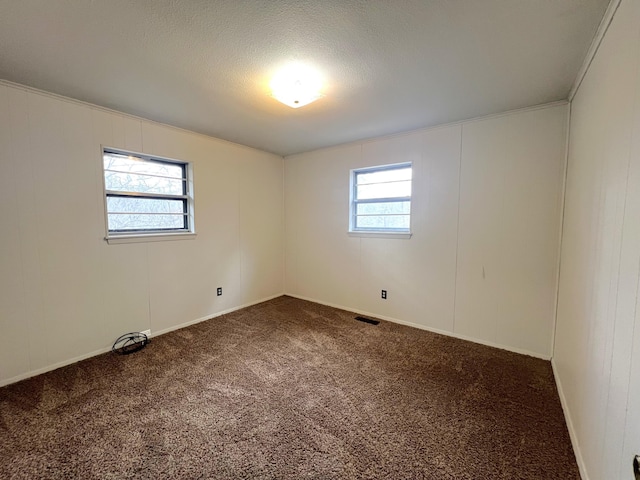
x,y
370,222
130,182
132,164
144,205
384,176
384,190
383,208
373,208
145,222
396,222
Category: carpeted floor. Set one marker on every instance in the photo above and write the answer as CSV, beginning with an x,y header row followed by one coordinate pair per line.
x,y
289,389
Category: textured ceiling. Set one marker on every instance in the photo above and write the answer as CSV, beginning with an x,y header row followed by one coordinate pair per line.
x,y
390,65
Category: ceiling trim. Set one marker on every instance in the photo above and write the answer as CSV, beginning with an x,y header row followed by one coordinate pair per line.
x,y
63,98
44,93
465,121
595,45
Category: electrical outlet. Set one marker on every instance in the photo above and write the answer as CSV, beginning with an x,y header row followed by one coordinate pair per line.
x,y
384,294
147,333
219,291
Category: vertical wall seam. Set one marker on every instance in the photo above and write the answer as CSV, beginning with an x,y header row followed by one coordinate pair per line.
x,y
37,215
148,265
597,232
361,294
284,228
101,207
455,287
499,266
240,239
563,203
146,247
21,236
612,312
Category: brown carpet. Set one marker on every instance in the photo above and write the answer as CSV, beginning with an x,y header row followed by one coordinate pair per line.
x,y
289,389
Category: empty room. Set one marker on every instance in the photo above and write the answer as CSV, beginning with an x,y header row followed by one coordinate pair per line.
x,y
330,239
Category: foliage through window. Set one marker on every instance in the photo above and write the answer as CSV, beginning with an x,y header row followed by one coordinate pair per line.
x,y
381,199
145,194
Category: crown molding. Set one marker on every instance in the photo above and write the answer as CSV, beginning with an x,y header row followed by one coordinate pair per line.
x,y
595,45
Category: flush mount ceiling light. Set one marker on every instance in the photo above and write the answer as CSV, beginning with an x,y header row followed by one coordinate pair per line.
x,y
296,85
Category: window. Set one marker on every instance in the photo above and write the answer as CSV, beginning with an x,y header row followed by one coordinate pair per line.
x,y
381,199
145,195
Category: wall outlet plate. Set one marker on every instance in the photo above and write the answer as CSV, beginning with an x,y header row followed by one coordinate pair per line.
x,y
219,291
384,294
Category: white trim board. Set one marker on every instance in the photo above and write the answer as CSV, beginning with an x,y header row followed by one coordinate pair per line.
x,y
63,98
567,418
563,199
423,327
209,317
64,363
531,108
595,45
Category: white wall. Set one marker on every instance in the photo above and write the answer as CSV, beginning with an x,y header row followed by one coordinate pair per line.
x,y
597,347
482,262
64,292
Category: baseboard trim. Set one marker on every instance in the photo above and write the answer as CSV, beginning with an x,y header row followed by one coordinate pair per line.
x,y
55,366
214,315
64,363
567,418
423,327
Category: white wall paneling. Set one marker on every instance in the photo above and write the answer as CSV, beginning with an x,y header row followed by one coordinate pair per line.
x,y
482,260
510,197
14,341
64,292
481,264
316,226
597,347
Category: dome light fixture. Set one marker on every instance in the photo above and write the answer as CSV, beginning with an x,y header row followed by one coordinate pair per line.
x,y
296,85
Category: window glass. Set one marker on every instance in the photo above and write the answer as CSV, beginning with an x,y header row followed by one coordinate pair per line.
x,y
381,199
145,194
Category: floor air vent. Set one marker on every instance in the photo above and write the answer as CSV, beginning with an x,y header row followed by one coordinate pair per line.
x,y
367,320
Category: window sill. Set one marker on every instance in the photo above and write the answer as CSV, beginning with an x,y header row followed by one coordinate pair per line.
x,y
398,235
149,237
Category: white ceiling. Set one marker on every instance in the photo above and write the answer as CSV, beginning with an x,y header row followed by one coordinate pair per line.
x,y
390,65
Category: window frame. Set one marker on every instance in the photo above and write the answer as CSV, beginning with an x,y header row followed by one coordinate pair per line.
x,y
146,235
354,202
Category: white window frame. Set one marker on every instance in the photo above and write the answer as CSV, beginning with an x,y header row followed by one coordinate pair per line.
x,y
353,203
150,235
